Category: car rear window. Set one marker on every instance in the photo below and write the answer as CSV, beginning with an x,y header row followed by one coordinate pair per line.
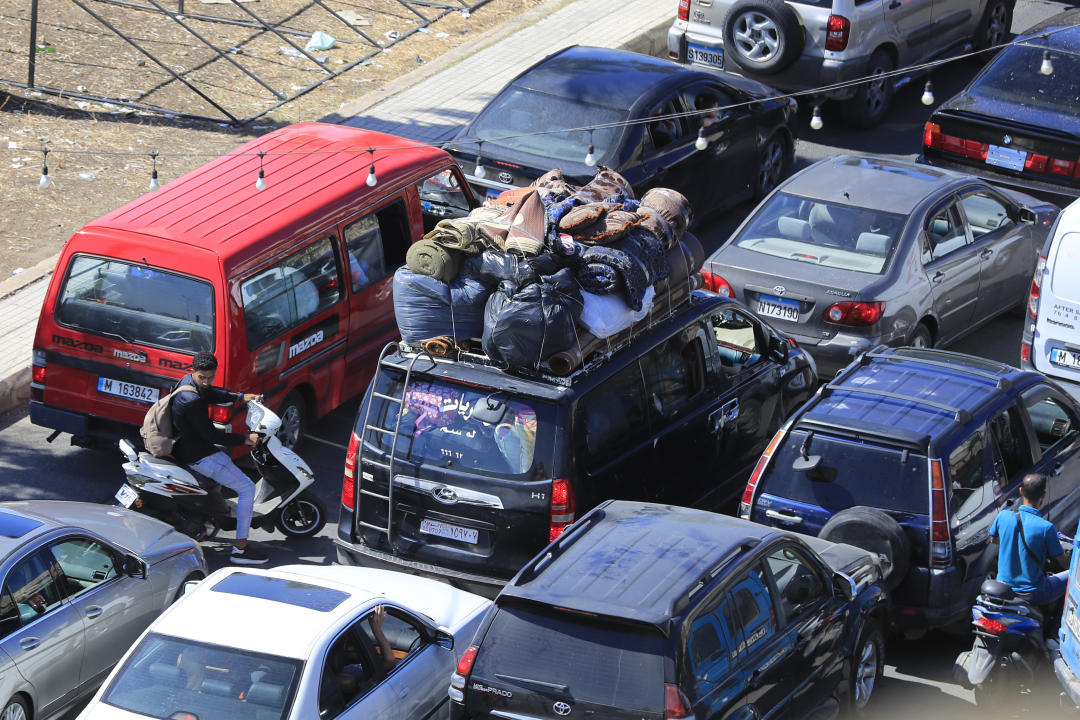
x,y
451,425
1013,77
137,304
614,665
851,473
519,112
822,233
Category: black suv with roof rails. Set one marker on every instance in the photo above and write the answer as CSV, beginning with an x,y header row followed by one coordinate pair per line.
x,y
487,467
649,611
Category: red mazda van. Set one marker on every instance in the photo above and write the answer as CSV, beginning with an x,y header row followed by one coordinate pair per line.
x,y
289,286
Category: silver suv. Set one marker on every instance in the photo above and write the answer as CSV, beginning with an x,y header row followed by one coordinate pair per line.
x,y
804,44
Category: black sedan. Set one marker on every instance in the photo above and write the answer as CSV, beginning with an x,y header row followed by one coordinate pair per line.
x,y
541,118
1017,123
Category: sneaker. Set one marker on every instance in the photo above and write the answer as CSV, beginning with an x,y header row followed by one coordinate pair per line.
x,y
247,556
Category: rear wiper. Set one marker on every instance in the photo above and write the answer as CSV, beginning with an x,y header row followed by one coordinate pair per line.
x,y
538,683
107,333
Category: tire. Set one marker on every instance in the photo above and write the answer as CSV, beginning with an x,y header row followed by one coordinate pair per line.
x,y
875,531
773,165
294,420
866,669
994,26
921,338
16,709
303,516
867,109
762,36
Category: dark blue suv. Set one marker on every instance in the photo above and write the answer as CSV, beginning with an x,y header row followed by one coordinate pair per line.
x,y
647,612
911,453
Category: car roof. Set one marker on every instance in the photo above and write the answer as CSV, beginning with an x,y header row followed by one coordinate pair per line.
x,y
895,186
1061,32
915,397
613,78
635,561
16,528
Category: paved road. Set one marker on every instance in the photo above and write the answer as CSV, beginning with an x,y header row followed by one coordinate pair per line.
x,y
917,676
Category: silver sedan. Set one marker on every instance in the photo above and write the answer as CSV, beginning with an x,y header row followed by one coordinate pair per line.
x,y
80,583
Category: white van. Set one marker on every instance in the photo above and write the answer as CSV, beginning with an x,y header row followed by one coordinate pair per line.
x,y
1051,341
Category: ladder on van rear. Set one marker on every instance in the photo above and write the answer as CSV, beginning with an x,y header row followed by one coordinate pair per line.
x,y
394,434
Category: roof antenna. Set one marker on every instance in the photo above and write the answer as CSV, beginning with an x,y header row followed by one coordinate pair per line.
x,y
846,196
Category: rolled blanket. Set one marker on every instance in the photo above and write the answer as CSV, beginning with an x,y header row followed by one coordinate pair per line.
x,y
444,346
556,185
457,234
608,269
521,227
673,207
427,257
606,183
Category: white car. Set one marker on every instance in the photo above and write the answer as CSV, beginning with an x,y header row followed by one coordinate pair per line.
x,y
298,641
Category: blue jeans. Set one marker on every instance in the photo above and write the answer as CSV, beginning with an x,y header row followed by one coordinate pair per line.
x,y
220,468
1054,589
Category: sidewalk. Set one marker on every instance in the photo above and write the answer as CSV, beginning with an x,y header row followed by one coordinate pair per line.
x,y
428,105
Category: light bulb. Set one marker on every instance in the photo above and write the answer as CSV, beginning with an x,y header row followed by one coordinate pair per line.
x,y
154,184
1047,67
260,183
479,171
701,143
815,120
44,182
928,94
590,157
371,179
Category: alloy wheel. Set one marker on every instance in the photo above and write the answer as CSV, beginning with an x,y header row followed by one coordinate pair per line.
x,y
772,163
866,674
876,91
14,711
300,515
997,28
756,36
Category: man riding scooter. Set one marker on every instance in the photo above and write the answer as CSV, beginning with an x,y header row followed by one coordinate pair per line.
x,y
198,438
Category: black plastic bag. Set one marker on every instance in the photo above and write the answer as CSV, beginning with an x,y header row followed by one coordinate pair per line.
x,y
524,326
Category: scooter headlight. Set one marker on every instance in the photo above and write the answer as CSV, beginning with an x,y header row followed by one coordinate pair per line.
x,y
255,416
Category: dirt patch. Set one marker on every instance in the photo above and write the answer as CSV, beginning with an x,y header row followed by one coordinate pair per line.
x,y
100,154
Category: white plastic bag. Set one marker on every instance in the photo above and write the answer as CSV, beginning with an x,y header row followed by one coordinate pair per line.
x,y
605,315
319,41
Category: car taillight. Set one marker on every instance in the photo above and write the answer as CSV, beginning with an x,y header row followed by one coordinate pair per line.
x,y
461,674
562,507
1025,352
934,138
1036,287
855,313
37,373
762,463
1065,168
221,413
837,32
684,10
348,484
676,706
991,626
940,541
717,284
1036,162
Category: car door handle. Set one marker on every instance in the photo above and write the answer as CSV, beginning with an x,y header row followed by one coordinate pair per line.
x,y
783,517
93,612
937,277
29,643
801,641
895,4
987,252
1058,467
755,679
403,692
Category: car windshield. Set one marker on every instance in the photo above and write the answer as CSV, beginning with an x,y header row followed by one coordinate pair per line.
x,y
137,304
518,112
167,677
851,473
451,425
822,233
1013,77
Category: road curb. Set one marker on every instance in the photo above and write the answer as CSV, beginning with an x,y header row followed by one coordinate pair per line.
x,y
31,275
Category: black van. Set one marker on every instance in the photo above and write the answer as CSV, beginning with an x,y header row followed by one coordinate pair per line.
x,y
488,466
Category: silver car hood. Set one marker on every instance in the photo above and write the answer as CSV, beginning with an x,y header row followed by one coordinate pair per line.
x,y
150,539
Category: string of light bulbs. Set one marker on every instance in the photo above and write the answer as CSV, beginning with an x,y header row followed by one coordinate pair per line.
x,y
1046,67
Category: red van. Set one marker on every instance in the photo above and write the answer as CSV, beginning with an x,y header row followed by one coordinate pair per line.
x,y
289,286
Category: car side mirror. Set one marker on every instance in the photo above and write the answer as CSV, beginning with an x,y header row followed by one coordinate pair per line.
x,y
779,349
134,566
845,586
1027,216
444,638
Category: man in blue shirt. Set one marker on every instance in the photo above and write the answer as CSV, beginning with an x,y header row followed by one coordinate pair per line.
x,y
1021,559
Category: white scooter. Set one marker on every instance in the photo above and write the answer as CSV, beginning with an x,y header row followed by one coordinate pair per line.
x,y
194,504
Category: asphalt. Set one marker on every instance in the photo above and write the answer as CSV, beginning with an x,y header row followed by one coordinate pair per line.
x,y
428,105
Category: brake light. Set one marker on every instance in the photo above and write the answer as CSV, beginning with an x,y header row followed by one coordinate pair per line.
x,y
717,284
1064,168
676,706
855,313
931,136
221,413
684,10
940,541
37,374
837,32
1036,287
562,507
1025,352
461,674
934,138
465,663
348,484
991,626
762,463
1036,163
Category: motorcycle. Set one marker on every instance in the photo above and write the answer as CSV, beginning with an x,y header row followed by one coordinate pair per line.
x,y
194,504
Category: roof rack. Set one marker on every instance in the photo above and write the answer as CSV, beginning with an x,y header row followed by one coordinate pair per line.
x,y
1001,382
959,414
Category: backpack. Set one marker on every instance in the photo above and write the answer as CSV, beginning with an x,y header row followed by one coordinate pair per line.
x,y
157,428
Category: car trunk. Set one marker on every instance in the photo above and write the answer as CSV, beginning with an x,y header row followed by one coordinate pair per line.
x,y
1056,349
472,475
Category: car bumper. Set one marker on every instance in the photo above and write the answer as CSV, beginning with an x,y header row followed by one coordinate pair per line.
x,y
364,556
1058,194
1069,681
85,430
834,354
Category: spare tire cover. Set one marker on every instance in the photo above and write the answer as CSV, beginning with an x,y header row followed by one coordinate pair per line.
x,y
875,531
763,36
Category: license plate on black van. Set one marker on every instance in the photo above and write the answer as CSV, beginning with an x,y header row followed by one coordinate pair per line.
x,y
450,532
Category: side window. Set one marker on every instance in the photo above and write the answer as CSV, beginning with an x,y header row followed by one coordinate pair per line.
x,y
665,130
712,646
985,213
707,101
283,296
674,373
376,244
752,610
441,197
9,614
394,636
33,587
737,340
348,673
1012,451
84,563
613,417
798,581
967,474
1053,423
944,235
